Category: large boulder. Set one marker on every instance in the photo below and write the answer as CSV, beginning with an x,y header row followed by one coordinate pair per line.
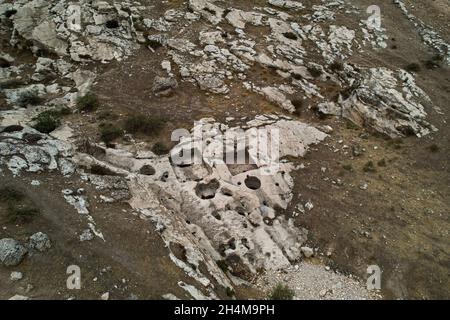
x,y
11,252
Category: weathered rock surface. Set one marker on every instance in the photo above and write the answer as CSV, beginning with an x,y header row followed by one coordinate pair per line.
x,y
39,242
11,252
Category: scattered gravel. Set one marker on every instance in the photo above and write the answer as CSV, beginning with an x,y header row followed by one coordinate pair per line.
x,y
312,282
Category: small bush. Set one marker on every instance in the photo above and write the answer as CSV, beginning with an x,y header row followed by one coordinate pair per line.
x,y
230,292
10,12
9,194
46,122
107,115
282,292
222,264
413,67
88,102
315,72
21,215
160,149
146,125
337,66
382,163
351,125
30,97
110,132
369,167
434,148
348,167
434,62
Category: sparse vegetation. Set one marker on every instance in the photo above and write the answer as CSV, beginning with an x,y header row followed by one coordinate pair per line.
x,y
49,120
230,292
46,122
16,212
351,125
435,62
315,72
222,264
382,163
337,66
8,194
282,292
21,215
107,115
413,67
434,148
88,102
30,97
348,167
150,125
396,143
160,148
109,132
369,167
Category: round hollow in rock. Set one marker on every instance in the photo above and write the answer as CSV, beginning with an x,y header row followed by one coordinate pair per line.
x,y
252,183
207,190
147,170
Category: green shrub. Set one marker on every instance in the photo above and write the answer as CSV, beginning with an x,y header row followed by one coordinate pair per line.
x,y
150,125
282,292
47,121
88,102
110,132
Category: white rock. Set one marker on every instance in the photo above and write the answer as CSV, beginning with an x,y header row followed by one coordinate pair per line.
x,y
16,276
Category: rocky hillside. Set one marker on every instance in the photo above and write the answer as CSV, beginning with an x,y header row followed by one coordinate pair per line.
x,y
122,127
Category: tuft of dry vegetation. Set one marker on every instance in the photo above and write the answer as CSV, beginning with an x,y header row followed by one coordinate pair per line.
x,y
282,292
88,103
150,125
